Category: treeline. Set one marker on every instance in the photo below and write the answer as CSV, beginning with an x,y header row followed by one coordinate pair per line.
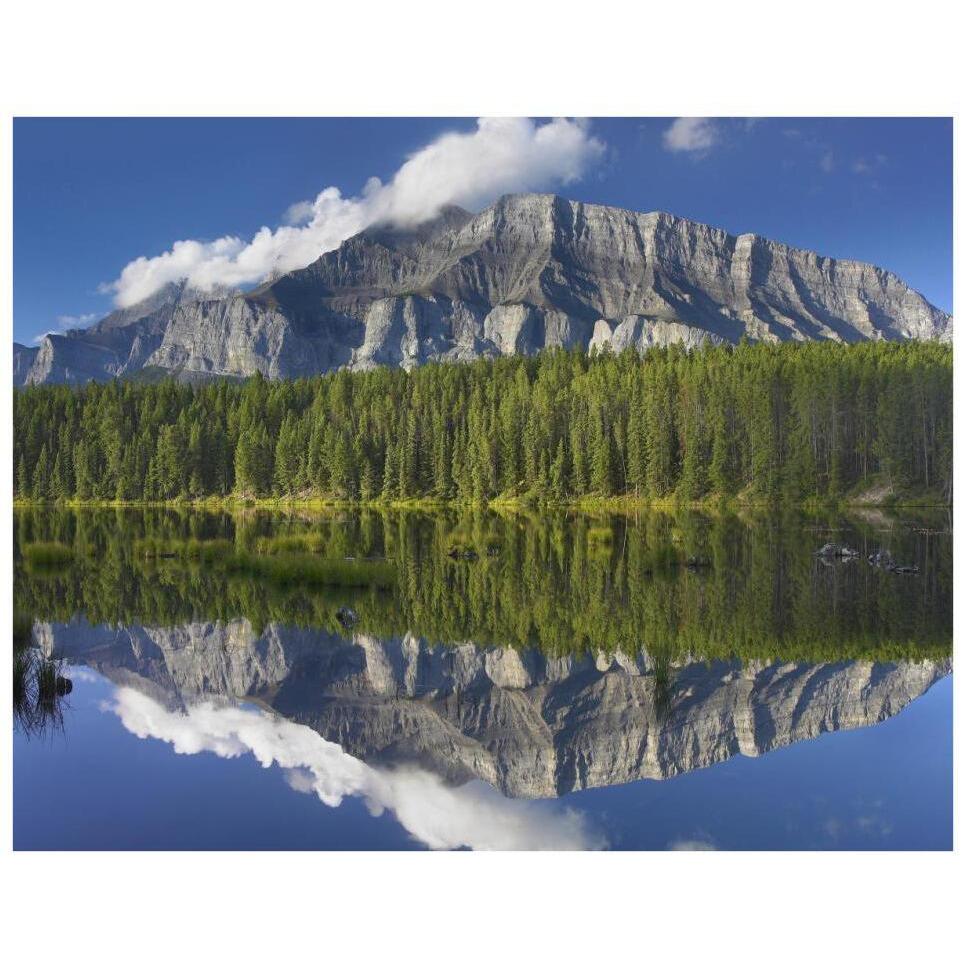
x,y
771,422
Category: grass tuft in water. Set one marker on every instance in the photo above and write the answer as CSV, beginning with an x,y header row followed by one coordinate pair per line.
x,y
291,543
193,550
316,570
47,555
282,560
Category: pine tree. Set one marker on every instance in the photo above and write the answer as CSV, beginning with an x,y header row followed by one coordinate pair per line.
x,y
21,482
600,456
391,481
59,489
286,462
367,482
559,472
253,466
41,476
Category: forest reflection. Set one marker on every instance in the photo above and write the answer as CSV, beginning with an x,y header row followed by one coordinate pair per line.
x,y
671,585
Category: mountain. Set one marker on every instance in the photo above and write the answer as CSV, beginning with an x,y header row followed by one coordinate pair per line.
x,y
23,357
527,723
528,272
122,342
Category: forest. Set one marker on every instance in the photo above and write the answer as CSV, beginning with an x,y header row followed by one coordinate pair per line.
x,y
764,423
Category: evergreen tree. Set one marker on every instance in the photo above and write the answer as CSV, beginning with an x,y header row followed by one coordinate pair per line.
x,y
286,459
21,481
768,421
41,476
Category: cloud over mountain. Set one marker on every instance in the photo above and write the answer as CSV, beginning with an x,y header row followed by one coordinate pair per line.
x,y
502,155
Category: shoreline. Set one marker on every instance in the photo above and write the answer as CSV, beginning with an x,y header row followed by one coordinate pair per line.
x,y
614,505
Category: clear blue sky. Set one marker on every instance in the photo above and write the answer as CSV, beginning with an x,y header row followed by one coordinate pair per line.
x,y
92,194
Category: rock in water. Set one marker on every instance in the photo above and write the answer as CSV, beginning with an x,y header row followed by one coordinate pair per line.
x,y
832,551
529,272
347,617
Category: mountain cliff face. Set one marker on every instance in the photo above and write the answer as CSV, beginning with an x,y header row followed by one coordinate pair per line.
x,y
530,271
528,724
23,357
122,342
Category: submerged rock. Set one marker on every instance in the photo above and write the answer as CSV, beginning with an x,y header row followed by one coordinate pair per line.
x,y
465,553
833,551
882,559
347,617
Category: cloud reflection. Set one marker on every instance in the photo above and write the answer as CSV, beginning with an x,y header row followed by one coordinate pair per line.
x,y
438,815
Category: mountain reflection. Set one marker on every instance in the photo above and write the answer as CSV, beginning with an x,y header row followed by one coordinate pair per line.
x,y
528,724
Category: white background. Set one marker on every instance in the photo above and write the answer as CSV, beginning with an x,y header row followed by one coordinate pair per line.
x,y
430,58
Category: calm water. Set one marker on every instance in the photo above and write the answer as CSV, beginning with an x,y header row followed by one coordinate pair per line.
x,y
393,681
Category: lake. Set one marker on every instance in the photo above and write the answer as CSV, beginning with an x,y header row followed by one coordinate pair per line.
x,y
364,679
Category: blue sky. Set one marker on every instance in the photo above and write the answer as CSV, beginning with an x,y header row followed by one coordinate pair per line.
x,y
90,195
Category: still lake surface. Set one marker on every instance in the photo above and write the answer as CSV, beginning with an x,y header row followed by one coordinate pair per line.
x,y
389,680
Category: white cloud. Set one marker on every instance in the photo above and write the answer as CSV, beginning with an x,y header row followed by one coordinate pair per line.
x,y
501,155
438,815
71,323
827,161
691,845
691,135
865,166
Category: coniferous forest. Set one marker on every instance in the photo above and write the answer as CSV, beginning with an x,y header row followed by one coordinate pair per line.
x,y
785,422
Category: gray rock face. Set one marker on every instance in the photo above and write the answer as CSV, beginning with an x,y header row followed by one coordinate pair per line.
x,y
23,357
530,271
239,337
123,342
528,724
644,333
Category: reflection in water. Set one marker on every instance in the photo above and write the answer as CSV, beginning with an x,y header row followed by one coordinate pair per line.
x,y
529,724
542,582
39,685
485,665
440,816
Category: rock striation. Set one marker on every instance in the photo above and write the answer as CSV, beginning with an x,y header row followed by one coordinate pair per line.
x,y
529,272
526,723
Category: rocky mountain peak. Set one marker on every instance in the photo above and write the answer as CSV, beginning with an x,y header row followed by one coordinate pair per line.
x,y
528,272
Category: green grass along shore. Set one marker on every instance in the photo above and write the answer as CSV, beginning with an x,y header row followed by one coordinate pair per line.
x,y
869,495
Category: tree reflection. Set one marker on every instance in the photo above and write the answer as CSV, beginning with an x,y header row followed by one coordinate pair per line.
x,y
685,584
